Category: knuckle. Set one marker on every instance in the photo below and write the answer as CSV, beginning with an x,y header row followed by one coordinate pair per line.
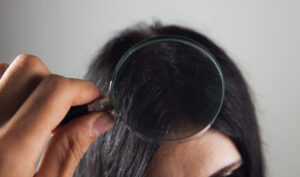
x,y
56,82
58,87
28,60
76,145
32,64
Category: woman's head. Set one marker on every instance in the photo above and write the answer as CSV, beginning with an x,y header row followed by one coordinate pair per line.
x,y
235,132
167,88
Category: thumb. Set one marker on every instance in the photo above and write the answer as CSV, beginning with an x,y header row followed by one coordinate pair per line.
x,y
71,141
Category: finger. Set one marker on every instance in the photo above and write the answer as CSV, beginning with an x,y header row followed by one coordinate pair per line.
x,y
3,67
20,79
43,111
67,147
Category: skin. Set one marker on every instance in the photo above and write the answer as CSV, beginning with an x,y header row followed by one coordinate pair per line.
x,y
206,156
29,113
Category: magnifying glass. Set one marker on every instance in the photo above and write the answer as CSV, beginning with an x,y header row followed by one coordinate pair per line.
x,y
165,89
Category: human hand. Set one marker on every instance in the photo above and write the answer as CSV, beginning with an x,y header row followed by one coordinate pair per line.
x,y
32,104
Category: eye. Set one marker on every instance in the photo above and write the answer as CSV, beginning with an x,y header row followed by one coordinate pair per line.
x,y
233,173
227,174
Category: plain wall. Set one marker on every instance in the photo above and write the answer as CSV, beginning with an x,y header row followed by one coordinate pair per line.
x,y
262,36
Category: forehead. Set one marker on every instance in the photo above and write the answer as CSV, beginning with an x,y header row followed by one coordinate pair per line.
x,y
200,157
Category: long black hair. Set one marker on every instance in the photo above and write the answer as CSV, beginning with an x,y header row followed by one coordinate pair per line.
x,y
119,153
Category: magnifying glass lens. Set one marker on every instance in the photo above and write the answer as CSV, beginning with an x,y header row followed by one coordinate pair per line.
x,y
167,89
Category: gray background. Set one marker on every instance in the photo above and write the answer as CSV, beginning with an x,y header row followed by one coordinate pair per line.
x,y
262,36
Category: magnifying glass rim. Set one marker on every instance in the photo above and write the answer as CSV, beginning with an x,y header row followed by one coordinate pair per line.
x,y
167,38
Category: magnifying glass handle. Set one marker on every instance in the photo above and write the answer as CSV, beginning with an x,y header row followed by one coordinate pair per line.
x,y
102,104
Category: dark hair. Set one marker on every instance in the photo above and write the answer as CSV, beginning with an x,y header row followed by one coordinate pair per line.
x,y
119,153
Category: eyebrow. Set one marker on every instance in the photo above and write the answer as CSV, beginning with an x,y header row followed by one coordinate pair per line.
x,y
227,169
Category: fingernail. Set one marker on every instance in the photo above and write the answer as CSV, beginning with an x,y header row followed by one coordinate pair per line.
x,y
102,124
